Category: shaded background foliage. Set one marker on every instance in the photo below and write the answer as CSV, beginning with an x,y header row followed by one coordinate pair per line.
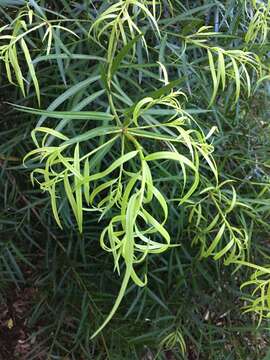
x,y
69,281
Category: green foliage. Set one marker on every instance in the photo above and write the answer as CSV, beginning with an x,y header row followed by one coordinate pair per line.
x,y
133,141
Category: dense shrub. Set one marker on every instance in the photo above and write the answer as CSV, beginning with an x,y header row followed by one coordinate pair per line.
x,y
149,140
